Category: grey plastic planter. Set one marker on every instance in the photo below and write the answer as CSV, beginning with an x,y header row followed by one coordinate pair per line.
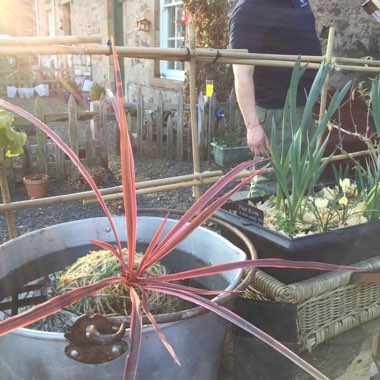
x,y
226,156
197,336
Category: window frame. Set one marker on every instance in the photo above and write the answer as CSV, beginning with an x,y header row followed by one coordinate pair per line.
x,y
165,71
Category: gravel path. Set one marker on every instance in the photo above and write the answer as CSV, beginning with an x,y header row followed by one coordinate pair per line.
x,y
146,169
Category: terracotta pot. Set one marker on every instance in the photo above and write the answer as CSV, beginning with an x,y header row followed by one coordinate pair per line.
x,y
36,185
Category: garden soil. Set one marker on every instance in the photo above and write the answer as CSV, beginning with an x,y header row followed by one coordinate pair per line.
x,y
146,168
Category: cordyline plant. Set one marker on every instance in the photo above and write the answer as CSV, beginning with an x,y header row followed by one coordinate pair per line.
x,y
135,279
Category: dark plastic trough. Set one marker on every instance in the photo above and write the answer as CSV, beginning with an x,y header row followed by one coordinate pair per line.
x,y
341,246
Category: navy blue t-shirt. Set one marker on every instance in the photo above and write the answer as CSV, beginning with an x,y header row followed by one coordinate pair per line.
x,y
275,27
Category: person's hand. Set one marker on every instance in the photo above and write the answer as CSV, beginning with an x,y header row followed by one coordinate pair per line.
x,y
257,140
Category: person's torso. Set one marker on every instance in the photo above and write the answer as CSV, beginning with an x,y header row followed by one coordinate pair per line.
x,y
275,27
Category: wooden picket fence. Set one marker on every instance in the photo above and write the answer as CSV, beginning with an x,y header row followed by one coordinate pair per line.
x,y
164,129
41,154
157,130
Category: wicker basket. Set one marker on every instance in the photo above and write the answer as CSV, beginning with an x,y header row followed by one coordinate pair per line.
x,y
325,305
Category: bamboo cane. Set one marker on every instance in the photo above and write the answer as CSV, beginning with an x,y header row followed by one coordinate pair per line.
x,y
208,180
329,50
158,189
193,111
372,62
143,188
361,69
204,55
59,40
12,231
90,194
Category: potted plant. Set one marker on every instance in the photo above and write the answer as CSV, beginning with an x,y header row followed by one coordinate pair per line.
x,y
36,185
334,224
96,92
228,147
93,336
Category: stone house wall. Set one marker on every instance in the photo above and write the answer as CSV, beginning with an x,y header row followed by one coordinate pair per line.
x,y
357,35
87,17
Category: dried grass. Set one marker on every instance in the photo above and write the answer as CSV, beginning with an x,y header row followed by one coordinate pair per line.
x,y
114,300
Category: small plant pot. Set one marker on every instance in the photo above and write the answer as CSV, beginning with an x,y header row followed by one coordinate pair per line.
x,y
21,92
42,90
29,92
36,185
11,91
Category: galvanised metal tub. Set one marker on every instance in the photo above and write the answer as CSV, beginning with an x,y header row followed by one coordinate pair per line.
x,y
196,336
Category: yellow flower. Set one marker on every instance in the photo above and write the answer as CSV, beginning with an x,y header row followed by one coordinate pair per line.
x,y
343,201
321,203
344,184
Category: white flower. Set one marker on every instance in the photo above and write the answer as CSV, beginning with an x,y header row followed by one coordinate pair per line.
x,y
344,184
321,204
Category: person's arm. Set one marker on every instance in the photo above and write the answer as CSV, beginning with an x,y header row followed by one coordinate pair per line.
x,y
245,94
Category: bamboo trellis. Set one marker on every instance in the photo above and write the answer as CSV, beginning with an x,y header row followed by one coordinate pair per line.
x,y
54,46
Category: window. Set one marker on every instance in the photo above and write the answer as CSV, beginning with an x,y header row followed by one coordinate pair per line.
x,y
66,19
172,36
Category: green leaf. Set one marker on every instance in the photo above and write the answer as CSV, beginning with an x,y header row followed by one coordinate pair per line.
x,y
10,139
17,147
6,119
375,105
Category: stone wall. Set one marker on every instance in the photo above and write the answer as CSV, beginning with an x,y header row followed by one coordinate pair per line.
x,y
357,35
90,18
139,72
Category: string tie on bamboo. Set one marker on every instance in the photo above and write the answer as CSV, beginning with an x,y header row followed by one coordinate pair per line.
x,y
334,65
218,55
188,56
109,44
